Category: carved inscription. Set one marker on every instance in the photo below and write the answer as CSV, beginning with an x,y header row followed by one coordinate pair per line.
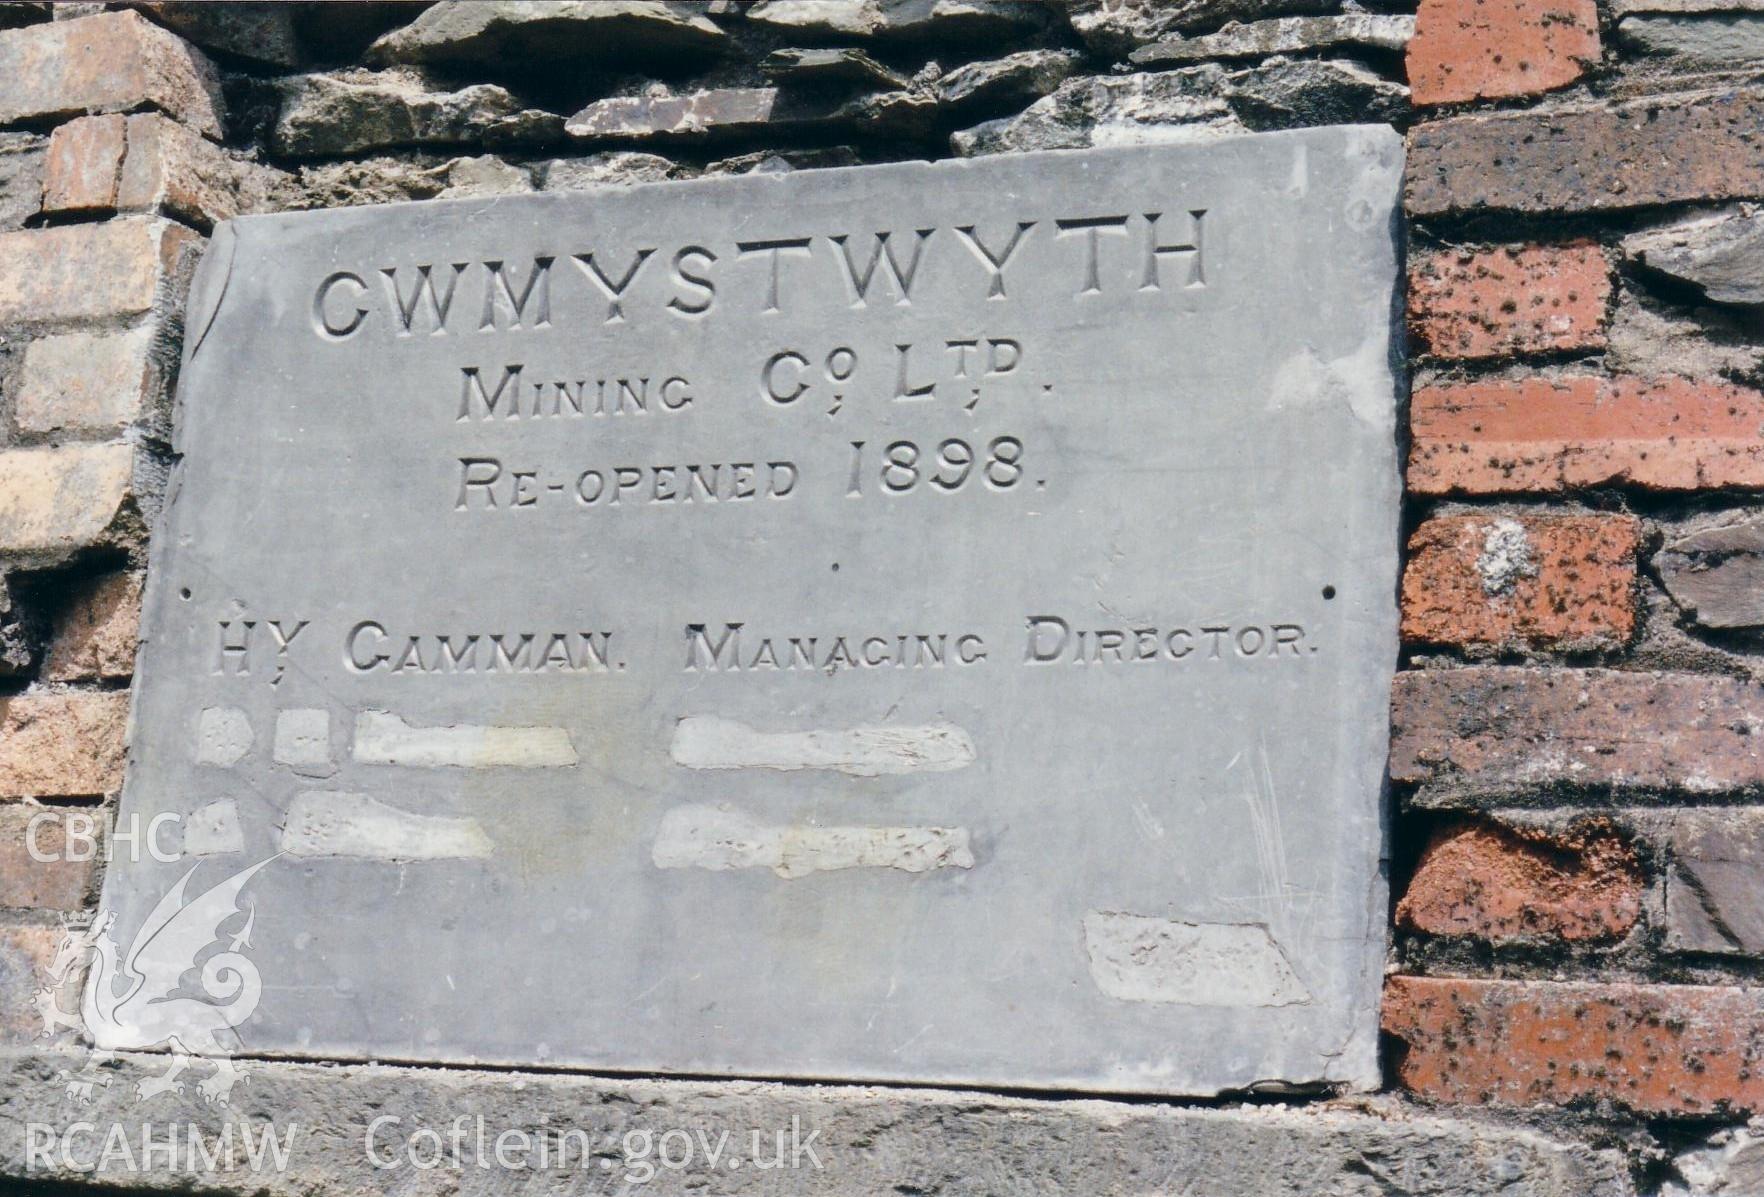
x,y
1129,258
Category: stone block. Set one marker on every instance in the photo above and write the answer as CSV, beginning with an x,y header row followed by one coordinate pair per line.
x,y
90,382
1714,883
1716,574
29,958
29,833
863,1141
113,270
95,632
62,744
57,500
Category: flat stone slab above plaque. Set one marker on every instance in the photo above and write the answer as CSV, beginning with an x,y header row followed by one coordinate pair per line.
x,y
913,623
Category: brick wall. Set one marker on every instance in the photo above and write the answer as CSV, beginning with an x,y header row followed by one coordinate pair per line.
x,y
1578,927
1582,877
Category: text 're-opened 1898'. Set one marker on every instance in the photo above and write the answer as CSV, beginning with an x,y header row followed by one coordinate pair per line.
x,y
913,623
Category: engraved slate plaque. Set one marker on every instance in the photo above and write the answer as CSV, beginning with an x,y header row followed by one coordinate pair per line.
x,y
915,623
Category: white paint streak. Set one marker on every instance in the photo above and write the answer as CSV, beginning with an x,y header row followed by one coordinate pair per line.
x,y
223,736
710,742
326,823
1358,381
382,738
214,830
303,737
1137,958
710,837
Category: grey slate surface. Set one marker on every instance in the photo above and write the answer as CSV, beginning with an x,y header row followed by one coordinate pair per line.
x,y
1136,875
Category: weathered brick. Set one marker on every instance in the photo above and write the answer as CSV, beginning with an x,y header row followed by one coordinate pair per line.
x,y
1481,49
1491,728
60,883
93,271
1499,883
146,163
85,159
1656,151
29,957
170,170
89,382
1541,435
1714,884
1514,299
21,177
58,500
110,62
68,744
1657,1049
1534,579
95,634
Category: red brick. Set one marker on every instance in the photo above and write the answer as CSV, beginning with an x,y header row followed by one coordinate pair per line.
x,y
1514,299
93,271
1541,435
85,159
108,62
1481,49
28,955
1494,728
170,170
145,163
1657,1049
1537,580
1500,883
95,634
1662,150
68,744
60,883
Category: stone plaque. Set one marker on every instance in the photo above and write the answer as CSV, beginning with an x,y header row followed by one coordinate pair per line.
x,y
913,623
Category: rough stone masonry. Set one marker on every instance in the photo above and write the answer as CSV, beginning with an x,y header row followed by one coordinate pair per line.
x,y
1571,1001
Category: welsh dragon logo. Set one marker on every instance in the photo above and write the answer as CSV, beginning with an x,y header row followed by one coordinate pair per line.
x,y
137,1001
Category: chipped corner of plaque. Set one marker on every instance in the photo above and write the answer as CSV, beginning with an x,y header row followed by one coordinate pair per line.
x,y
1144,958
209,287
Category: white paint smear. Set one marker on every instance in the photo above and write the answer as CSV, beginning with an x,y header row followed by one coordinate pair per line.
x,y
382,738
303,737
214,830
223,736
327,823
711,837
710,742
1136,958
